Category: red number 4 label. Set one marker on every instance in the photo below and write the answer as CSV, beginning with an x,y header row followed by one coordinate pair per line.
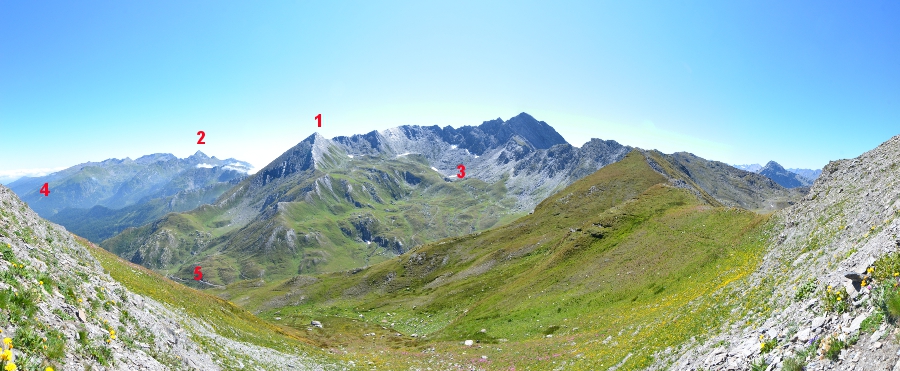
x,y
45,190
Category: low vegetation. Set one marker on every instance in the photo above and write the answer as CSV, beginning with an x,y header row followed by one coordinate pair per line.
x,y
613,270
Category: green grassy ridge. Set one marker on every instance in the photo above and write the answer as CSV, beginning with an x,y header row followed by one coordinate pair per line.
x,y
615,254
400,202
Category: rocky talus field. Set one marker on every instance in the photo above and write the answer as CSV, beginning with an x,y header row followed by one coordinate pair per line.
x,y
812,316
72,306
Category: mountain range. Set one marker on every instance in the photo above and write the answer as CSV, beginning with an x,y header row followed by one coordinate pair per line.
x,y
97,200
348,202
788,178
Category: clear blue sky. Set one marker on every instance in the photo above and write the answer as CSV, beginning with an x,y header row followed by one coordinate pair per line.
x,y
800,82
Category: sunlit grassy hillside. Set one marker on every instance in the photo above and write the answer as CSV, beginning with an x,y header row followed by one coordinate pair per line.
x,y
226,319
617,267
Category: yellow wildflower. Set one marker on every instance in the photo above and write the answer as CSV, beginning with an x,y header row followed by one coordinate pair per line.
x,y
864,282
6,355
48,369
11,367
112,332
7,342
41,283
896,274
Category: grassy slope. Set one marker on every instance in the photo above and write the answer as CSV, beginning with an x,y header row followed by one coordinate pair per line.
x,y
616,267
225,318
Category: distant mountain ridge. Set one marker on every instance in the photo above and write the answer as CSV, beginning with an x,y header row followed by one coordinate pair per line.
x,y
781,176
788,178
807,173
99,199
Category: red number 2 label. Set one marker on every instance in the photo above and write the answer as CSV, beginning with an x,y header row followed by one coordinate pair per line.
x,y
462,171
45,190
319,119
198,274
202,135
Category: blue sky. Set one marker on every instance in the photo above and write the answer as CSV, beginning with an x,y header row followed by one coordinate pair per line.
x,y
800,82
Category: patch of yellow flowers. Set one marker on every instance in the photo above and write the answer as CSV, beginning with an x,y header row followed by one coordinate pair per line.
x,y
7,356
112,334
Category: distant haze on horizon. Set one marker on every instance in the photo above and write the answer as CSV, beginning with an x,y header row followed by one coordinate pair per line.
x,y
738,82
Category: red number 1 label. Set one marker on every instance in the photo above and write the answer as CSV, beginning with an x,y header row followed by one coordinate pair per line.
x,y
202,135
198,274
462,171
45,190
319,119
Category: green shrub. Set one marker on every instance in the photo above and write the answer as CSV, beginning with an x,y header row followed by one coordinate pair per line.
x,y
759,364
886,267
805,290
892,304
101,353
6,253
795,363
768,345
871,323
83,337
835,300
833,347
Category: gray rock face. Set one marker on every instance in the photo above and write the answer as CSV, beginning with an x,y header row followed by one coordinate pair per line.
x,y
535,160
47,249
848,219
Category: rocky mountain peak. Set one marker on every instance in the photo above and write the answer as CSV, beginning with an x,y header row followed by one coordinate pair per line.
x,y
785,178
539,133
773,166
199,155
305,156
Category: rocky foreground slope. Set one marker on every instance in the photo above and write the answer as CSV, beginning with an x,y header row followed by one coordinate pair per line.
x,y
811,316
62,308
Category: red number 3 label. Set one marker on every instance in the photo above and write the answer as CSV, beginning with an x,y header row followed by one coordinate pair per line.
x,y
462,171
